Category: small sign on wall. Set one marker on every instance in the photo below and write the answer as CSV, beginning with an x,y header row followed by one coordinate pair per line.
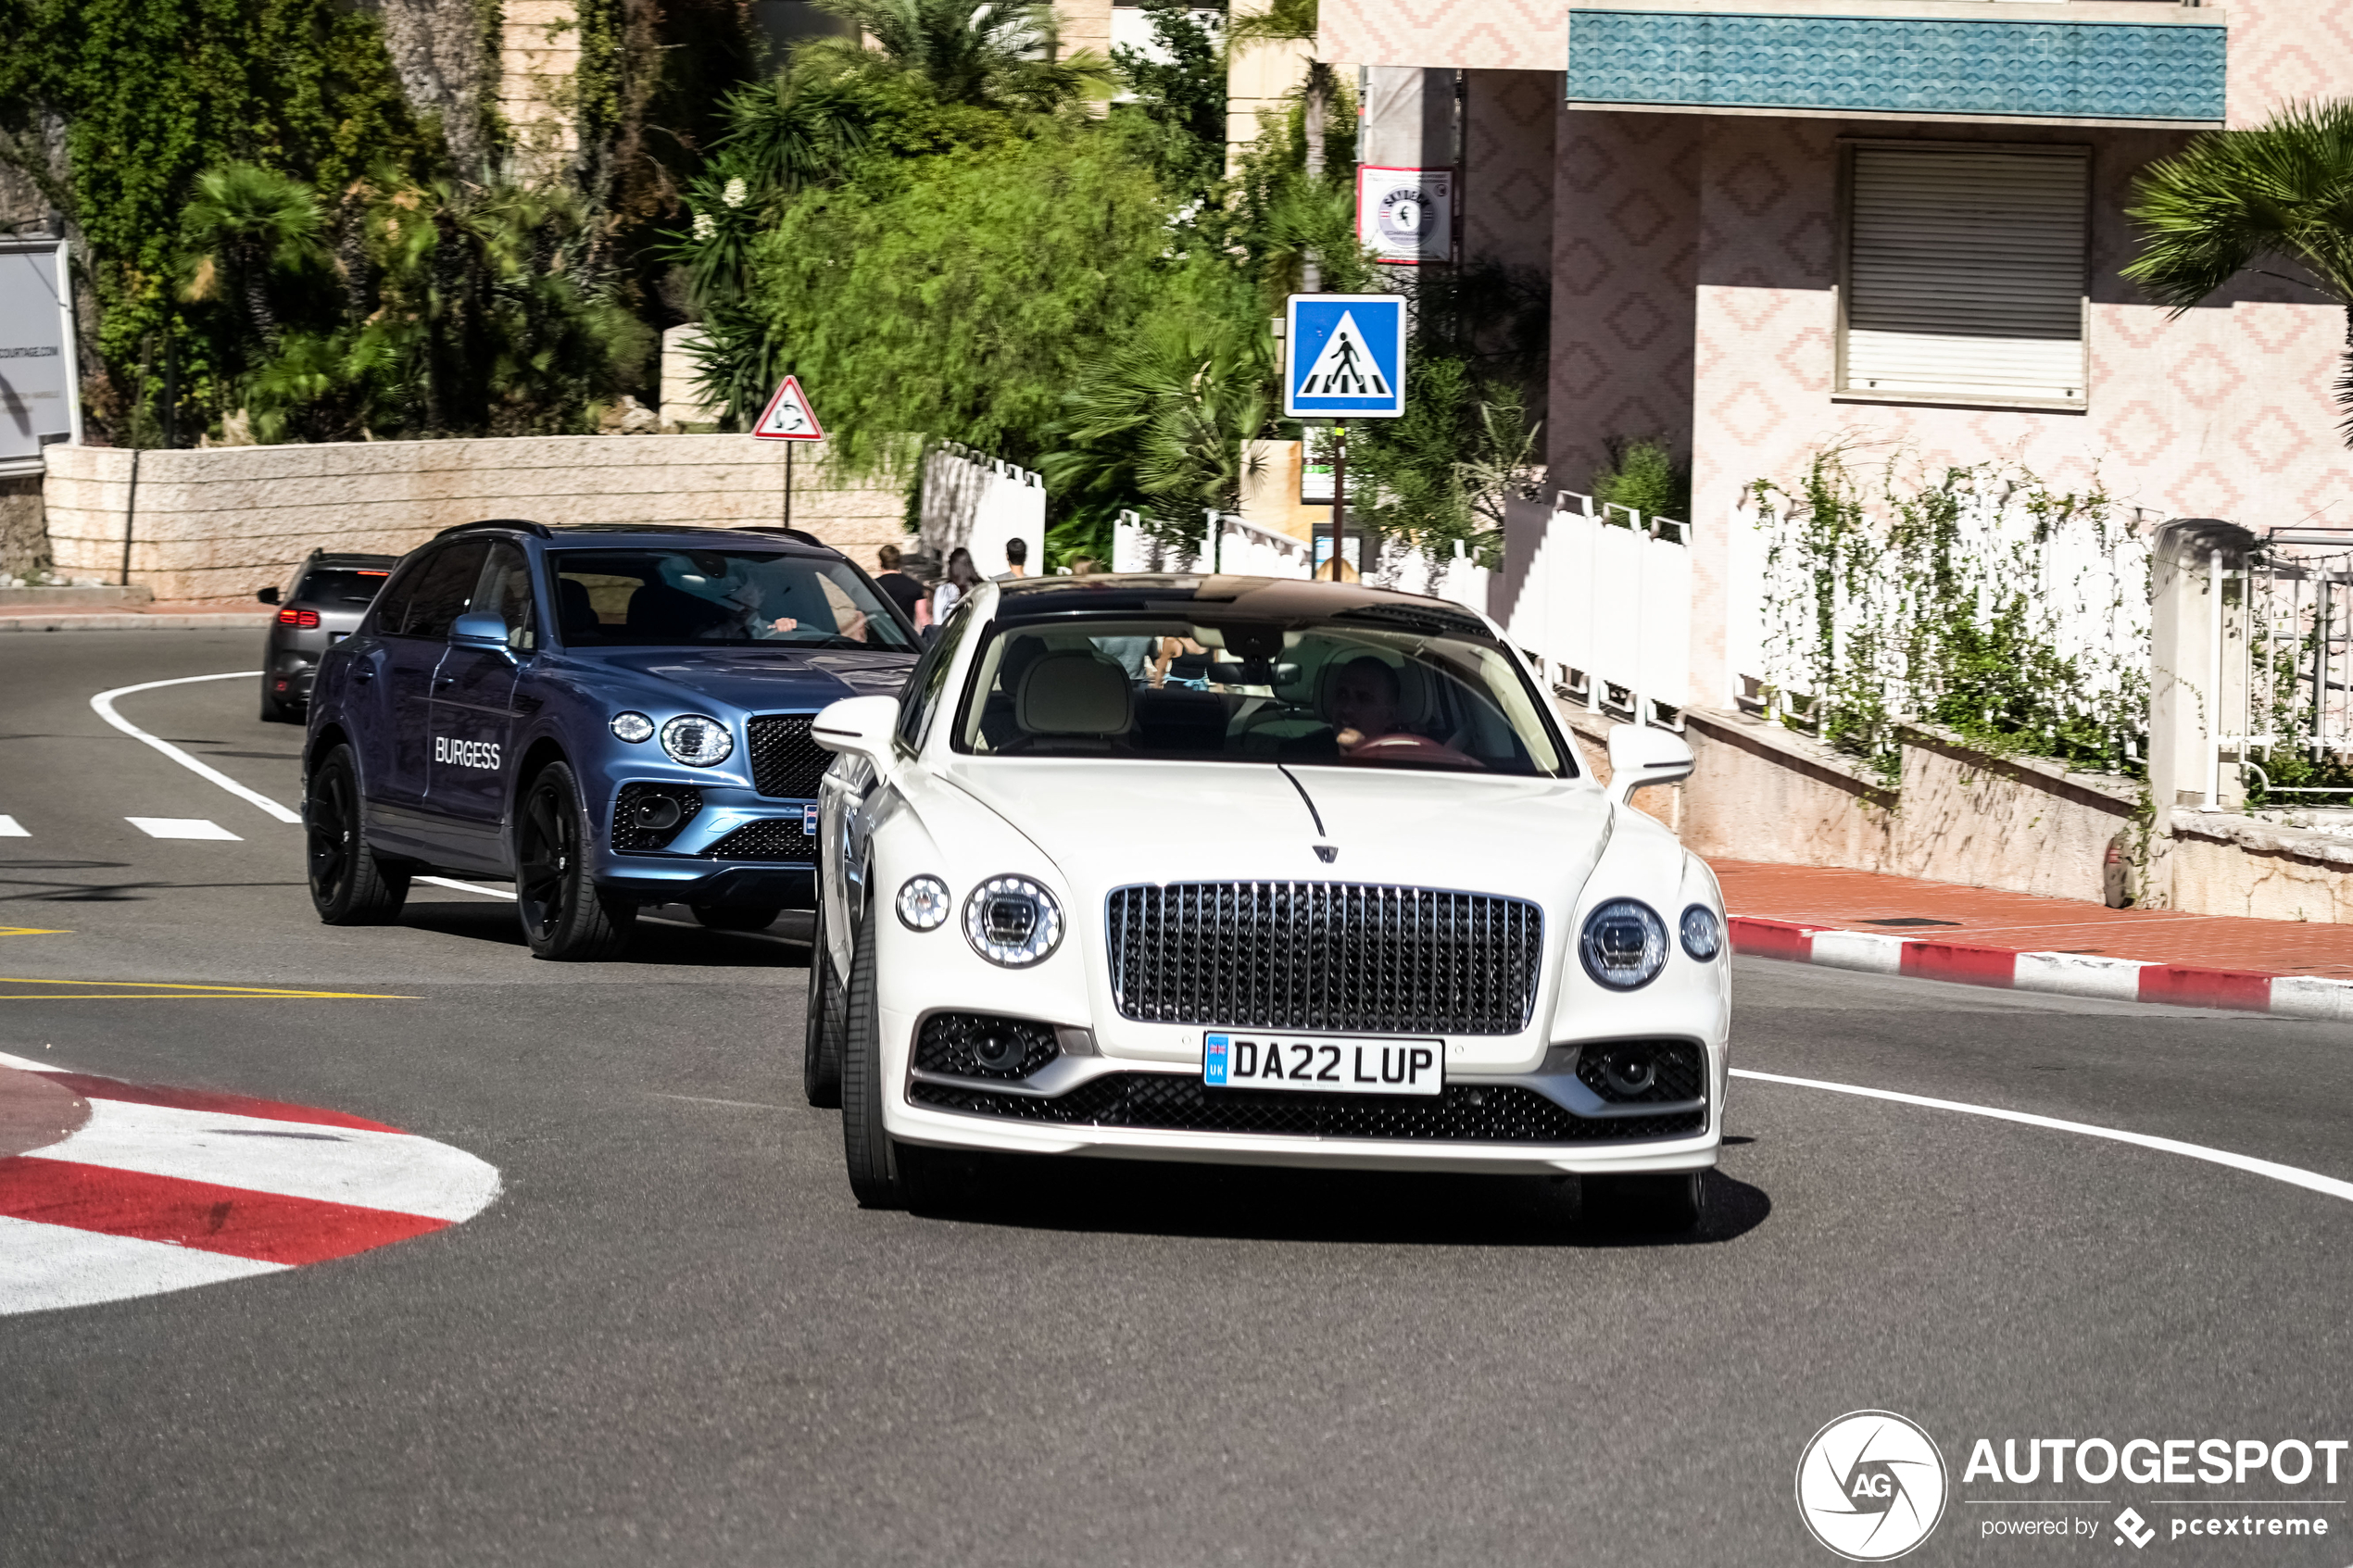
x,y
1405,216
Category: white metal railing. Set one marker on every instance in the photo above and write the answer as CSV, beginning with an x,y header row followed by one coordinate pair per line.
x,y
1604,610
979,503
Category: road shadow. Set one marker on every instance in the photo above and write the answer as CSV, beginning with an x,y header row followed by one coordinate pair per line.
x,y
1249,1203
657,938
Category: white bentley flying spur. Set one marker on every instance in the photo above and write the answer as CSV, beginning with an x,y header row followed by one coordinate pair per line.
x,y
1257,871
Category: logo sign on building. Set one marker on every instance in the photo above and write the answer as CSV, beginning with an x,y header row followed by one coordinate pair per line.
x,y
1344,357
1405,216
38,394
788,416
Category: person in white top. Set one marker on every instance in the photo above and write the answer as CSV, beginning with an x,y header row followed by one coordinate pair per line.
x,y
962,579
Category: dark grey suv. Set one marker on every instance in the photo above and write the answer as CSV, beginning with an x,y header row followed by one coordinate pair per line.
x,y
320,607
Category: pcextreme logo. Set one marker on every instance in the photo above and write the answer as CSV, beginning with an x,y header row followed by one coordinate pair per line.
x,y
1871,1486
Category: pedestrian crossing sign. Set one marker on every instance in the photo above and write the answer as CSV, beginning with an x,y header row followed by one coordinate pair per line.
x,y
788,416
1344,357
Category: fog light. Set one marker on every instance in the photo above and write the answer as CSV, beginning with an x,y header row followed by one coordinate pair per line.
x,y
657,812
998,1051
1629,1071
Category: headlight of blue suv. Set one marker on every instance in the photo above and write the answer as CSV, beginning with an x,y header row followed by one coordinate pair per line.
x,y
1624,944
633,727
697,741
1012,921
1702,932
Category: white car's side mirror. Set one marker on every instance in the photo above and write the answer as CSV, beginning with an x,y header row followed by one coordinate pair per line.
x,y
860,725
1640,755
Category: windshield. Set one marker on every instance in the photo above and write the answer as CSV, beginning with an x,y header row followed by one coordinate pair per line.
x,y
341,584
637,598
1323,692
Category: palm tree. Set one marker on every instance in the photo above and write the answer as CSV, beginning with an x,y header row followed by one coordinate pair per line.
x,y
2282,191
247,229
999,54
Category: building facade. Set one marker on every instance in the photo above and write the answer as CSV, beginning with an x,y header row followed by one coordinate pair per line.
x,y
1894,226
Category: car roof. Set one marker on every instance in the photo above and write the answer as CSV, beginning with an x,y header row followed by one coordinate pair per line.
x,y
350,559
632,535
1283,599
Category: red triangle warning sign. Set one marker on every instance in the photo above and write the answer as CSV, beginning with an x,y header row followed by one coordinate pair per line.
x,y
788,416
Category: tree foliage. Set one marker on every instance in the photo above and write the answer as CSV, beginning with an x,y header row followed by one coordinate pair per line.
x,y
2281,192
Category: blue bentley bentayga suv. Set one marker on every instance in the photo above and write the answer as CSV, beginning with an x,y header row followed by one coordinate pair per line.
x,y
612,717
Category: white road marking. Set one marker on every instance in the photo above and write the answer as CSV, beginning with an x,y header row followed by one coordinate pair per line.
x,y
369,1170
468,887
181,827
2311,1181
11,828
44,1267
103,703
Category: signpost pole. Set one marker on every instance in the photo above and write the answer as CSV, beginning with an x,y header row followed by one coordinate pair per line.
x,y
789,447
1340,495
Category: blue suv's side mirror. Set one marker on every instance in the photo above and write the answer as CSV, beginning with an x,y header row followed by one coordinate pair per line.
x,y
479,630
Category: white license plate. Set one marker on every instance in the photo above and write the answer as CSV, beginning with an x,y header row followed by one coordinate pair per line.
x,y
1350,1067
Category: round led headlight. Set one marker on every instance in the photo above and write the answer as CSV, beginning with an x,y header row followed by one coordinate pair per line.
x,y
633,726
1012,921
696,740
1624,944
924,904
1702,932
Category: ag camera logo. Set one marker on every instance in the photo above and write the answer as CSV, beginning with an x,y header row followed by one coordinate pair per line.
x,y
1871,1486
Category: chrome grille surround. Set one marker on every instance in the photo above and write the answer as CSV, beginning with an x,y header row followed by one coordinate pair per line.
x,y
1353,957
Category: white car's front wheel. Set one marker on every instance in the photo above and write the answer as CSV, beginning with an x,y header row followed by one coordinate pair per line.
x,y
1667,1204
878,1165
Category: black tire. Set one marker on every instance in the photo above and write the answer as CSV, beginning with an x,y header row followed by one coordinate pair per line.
x,y
348,885
878,1173
721,917
1667,1204
564,918
821,1045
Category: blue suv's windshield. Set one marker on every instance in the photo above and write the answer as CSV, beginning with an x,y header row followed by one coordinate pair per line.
x,y
661,598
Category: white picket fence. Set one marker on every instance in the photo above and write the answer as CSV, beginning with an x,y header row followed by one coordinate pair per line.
x,y
1604,610
1230,545
979,503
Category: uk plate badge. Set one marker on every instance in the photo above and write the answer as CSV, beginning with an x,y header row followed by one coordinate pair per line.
x,y
1216,1060
809,820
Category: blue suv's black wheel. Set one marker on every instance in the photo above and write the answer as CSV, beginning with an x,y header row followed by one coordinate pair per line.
x,y
564,915
821,1041
347,885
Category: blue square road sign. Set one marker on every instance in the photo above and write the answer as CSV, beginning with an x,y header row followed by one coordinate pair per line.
x,y
1344,357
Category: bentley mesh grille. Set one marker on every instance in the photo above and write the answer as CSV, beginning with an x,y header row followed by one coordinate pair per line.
x,y
1460,1113
785,763
953,1042
634,801
1347,957
775,838
1678,1070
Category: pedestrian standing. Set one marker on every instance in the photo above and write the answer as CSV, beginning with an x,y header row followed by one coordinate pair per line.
x,y
962,579
1016,560
899,588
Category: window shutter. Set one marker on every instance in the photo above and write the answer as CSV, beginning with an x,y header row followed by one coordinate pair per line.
x,y
1965,274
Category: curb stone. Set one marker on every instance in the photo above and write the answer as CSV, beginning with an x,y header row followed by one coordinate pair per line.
x,y
2065,974
131,621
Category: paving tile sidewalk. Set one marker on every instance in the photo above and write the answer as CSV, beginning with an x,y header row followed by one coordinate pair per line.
x,y
1895,924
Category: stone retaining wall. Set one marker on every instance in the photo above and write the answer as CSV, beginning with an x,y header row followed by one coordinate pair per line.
x,y
218,524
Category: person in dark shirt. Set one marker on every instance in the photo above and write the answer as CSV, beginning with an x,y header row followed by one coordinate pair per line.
x,y
902,590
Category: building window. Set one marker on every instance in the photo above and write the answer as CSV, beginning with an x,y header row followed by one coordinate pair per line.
x,y
1963,277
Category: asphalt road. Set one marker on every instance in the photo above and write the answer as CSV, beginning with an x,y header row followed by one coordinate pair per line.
x,y
675,1339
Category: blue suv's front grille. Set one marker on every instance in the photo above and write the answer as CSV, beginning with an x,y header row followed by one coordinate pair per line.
x,y
785,764
775,838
